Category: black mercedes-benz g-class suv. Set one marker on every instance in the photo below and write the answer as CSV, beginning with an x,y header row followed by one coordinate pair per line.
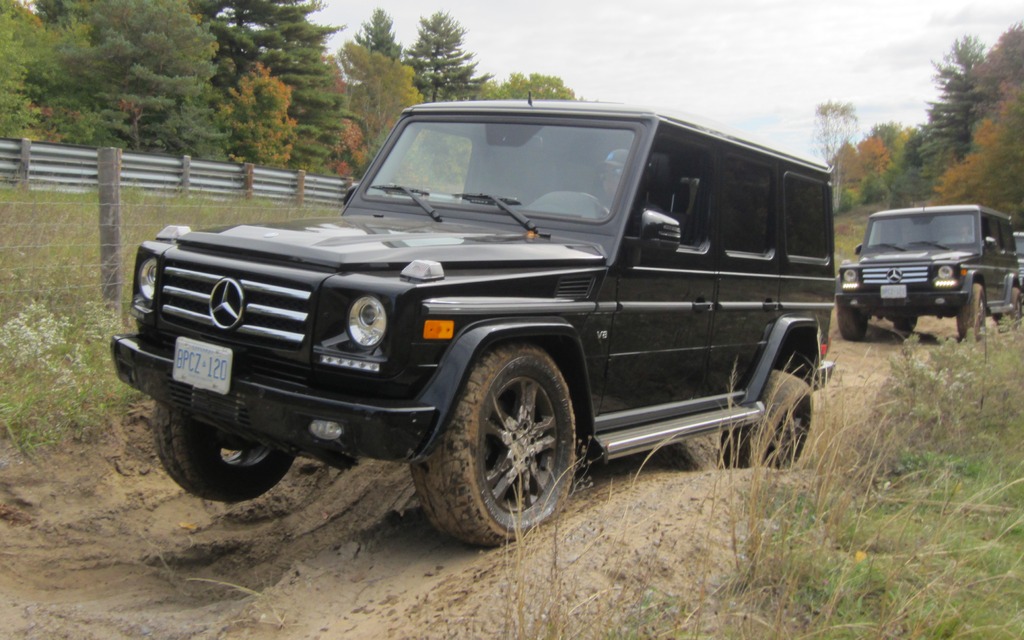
x,y
949,261
511,286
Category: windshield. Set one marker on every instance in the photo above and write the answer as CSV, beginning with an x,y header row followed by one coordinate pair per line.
x,y
922,232
551,170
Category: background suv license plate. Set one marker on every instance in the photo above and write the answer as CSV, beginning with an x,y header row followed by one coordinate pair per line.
x,y
894,291
202,365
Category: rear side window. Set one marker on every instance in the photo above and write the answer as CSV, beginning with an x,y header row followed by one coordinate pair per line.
x,y
747,207
806,203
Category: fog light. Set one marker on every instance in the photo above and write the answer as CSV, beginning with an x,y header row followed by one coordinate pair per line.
x,y
326,429
940,301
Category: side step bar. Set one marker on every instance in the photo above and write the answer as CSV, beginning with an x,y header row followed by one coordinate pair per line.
x,y
643,438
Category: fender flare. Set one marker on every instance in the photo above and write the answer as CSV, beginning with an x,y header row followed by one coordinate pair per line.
x,y
778,335
455,365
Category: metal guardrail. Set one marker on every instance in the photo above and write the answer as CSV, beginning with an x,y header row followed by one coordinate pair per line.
x,y
47,165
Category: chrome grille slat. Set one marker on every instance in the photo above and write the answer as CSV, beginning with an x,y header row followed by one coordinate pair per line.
x,y
274,316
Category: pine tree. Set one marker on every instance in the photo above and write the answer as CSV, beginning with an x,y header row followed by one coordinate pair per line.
x,y
443,70
147,64
952,119
278,35
378,35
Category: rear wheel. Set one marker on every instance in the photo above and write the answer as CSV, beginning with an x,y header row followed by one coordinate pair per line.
x,y
778,439
506,460
852,323
212,465
971,317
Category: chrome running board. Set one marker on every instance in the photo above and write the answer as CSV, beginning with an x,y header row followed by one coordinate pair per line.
x,y
643,438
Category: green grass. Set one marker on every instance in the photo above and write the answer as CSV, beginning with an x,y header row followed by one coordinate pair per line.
x,y
56,379
911,524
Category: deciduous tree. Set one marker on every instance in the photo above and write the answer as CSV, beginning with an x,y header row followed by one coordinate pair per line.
x,y
256,117
835,125
519,86
378,88
15,108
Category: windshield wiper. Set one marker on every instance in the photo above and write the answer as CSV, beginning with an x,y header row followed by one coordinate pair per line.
x,y
503,204
413,193
931,243
887,244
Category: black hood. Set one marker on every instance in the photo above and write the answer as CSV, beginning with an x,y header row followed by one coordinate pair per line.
x,y
368,242
916,257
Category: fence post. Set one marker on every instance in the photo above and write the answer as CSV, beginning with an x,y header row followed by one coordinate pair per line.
x,y
21,175
186,174
249,167
300,187
109,177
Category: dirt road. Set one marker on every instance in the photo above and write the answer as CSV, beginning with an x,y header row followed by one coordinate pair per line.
x,y
97,543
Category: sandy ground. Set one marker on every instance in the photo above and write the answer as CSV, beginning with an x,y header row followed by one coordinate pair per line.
x,y
97,543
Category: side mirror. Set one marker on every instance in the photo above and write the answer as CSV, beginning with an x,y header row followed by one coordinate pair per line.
x,y
857,250
990,243
659,231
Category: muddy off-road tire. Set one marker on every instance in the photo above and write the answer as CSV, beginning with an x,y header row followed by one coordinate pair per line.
x,y
506,460
778,439
971,318
210,465
852,323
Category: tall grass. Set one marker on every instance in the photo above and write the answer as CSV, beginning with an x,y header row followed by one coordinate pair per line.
x,y
56,380
907,521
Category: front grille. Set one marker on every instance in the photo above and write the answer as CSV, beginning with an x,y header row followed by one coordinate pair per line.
x,y
272,315
914,274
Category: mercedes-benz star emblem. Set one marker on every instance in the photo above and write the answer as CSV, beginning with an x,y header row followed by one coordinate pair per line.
x,y
227,301
894,275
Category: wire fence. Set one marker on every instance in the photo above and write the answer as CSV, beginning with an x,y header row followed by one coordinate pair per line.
x,y
72,216
50,246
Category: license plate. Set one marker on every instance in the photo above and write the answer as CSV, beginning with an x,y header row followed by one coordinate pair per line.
x,y
202,365
894,291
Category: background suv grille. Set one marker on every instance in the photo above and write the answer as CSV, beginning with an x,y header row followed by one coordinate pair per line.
x,y
910,275
273,316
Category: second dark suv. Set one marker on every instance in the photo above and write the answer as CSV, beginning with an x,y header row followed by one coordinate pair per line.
x,y
949,261
511,286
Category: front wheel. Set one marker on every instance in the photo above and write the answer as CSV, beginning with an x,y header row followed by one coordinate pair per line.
x,y
506,459
853,324
971,317
209,464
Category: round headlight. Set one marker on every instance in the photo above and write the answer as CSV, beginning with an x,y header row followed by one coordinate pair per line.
x,y
849,275
367,322
146,278
945,272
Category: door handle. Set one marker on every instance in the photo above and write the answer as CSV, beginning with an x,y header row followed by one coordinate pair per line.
x,y
702,305
769,305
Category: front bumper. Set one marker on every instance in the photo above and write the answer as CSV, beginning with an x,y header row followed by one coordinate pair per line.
x,y
869,301
278,413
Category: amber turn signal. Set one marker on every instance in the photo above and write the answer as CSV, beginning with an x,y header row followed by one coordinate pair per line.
x,y
438,329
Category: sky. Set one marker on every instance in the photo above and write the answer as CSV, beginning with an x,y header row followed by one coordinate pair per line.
x,y
761,66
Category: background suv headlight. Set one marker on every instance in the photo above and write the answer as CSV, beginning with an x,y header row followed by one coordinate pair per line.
x,y
367,322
